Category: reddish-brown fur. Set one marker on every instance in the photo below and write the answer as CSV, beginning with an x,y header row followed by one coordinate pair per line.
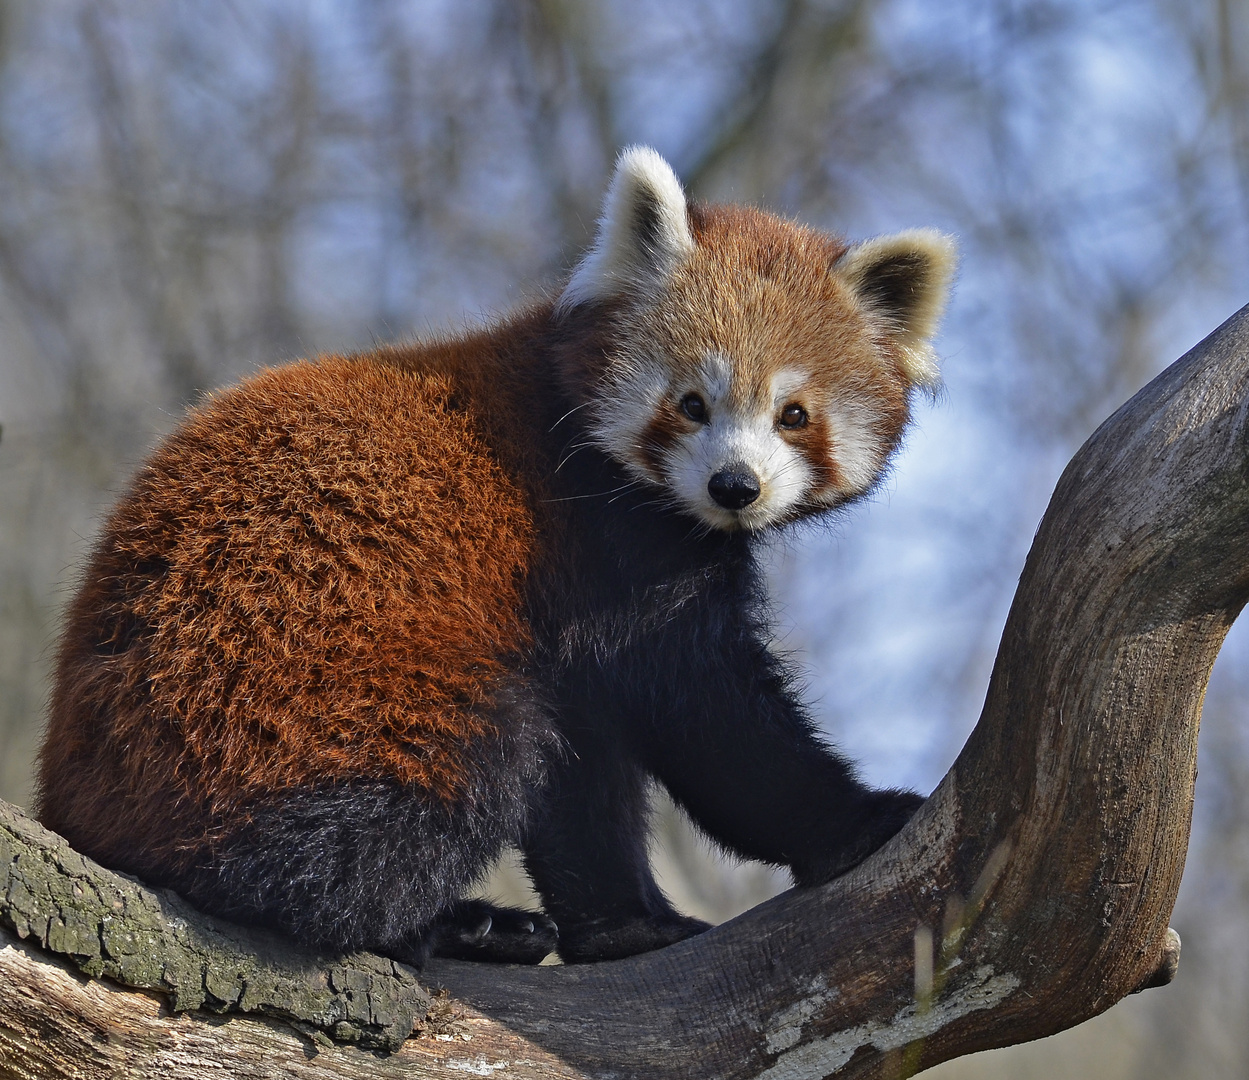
x,y
317,577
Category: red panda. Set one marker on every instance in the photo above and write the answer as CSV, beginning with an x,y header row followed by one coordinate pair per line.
x,y
361,623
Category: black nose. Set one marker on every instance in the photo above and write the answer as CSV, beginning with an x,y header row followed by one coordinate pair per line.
x,y
734,487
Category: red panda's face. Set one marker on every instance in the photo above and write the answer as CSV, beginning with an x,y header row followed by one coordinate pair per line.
x,y
751,387
744,450
758,371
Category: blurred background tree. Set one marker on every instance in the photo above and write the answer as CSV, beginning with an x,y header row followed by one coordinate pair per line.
x,y
190,190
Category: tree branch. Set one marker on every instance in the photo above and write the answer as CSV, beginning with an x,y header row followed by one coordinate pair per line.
x,y
109,924
1031,892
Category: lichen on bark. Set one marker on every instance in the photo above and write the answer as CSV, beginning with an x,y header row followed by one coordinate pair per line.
x,y
110,924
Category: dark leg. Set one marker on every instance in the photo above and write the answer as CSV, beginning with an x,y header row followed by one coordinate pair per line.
x,y
365,866
586,853
373,864
740,755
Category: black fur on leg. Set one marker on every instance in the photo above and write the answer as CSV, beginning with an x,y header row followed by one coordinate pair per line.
x,y
612,939
371,864
366,865
480,930
882,814
586,853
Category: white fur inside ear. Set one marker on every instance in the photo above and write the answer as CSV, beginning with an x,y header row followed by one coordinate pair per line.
x,y
643,233
905,279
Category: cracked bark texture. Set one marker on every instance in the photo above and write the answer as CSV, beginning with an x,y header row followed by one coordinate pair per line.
x,y
1031,892
109,924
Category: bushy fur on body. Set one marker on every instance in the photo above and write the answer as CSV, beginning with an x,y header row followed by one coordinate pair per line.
x,y
361,623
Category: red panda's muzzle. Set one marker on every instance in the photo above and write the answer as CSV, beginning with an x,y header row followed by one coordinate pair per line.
x,y
734,487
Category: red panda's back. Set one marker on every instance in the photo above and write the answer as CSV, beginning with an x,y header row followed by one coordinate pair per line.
x,y
316,578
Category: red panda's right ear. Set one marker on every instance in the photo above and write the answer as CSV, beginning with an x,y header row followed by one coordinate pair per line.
x,y
643,233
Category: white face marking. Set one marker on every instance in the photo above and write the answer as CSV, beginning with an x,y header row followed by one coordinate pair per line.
x,y
856,447
733,435
738,436
636,391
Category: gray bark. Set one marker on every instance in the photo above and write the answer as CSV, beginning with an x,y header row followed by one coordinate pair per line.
x,y
109,924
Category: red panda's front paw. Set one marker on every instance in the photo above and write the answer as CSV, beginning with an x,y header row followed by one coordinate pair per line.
x,y
887,811
603,940
880,816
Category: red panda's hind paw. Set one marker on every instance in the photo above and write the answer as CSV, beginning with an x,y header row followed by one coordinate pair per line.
x,y
479,930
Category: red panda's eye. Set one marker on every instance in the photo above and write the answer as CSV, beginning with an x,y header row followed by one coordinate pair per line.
x,y
793,416
694,407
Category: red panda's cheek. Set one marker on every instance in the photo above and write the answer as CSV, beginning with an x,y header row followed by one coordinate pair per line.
x,y
855,446
626,404
657,441
813,443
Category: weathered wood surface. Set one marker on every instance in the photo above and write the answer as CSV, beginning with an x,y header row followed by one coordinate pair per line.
x,y
56,1022
110,924
1031,892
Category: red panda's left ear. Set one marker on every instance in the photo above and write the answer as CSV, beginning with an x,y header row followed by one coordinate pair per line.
x,y
644,232
906,279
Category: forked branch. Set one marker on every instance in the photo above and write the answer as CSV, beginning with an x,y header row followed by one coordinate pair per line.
x,y
1031,892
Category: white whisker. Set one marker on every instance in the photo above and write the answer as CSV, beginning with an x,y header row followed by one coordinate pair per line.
x,y
567,415
595,494
573,450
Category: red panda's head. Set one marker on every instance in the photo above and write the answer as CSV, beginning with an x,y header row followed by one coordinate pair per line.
x,y
755,369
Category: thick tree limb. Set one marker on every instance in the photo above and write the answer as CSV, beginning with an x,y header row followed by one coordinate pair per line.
x,y
110,924
1031,892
